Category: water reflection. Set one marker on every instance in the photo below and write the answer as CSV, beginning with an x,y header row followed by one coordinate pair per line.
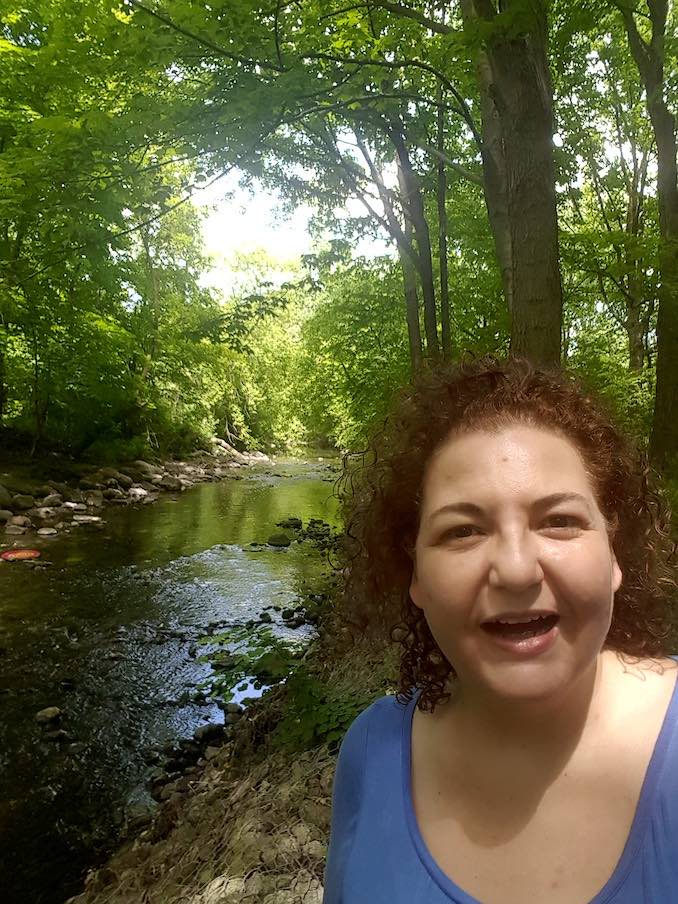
x,y
109,635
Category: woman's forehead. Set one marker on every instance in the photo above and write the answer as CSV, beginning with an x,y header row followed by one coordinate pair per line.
x,y
517,457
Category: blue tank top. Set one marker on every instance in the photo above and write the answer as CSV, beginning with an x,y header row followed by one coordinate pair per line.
x,y
378,856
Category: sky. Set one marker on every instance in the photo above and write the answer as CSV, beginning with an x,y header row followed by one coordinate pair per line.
x,y
241,221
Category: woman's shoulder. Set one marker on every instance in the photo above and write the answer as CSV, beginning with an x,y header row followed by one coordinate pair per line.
x,y
381,720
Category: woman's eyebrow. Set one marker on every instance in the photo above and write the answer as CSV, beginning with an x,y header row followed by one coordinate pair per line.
x,y
473,510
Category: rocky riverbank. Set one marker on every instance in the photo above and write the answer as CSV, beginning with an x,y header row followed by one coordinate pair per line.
x,y
51,507
249,822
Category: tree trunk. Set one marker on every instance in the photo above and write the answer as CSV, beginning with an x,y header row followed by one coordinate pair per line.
x,y
649,57
413,208
441,191
519,174
411,311
3,385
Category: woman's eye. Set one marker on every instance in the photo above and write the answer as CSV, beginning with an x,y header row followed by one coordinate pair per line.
x,y
460,532
563,522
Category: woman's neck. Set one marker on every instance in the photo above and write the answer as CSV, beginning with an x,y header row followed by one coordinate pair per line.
x,y
546,727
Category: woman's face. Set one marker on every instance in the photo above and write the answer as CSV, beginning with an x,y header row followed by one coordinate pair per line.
x,y
513,566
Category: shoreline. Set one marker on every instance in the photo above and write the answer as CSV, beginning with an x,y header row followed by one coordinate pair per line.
x,y
44,507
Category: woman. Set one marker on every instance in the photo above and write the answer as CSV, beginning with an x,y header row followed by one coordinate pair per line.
x,y
532,751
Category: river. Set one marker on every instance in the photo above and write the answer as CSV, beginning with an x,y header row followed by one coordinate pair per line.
x,y
108,634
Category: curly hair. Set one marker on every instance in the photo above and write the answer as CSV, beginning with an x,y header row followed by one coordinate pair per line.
x,y
381,490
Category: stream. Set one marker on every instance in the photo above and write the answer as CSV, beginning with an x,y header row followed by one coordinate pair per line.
x,y
109,635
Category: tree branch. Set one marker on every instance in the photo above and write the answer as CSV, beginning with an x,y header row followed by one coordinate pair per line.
x,y
467,174
463,109
205,42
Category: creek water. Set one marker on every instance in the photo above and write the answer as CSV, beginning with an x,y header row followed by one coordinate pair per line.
x,y
109,634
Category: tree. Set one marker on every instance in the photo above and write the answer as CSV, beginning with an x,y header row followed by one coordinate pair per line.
x,y
651,53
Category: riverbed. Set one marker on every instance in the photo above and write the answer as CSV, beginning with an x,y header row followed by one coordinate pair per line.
x,y
109,634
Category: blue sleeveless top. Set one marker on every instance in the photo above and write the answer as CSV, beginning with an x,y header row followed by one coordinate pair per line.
x,y
378,856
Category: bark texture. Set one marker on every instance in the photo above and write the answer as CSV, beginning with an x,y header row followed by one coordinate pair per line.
x,y
519,173
650,59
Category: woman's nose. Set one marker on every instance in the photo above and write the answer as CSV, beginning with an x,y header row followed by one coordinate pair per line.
x,y
514,561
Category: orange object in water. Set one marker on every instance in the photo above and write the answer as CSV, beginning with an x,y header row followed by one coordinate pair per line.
x,y
14,555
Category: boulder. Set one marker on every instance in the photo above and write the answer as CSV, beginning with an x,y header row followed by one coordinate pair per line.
x,y
53,499
5,497
15,530
22,502
21,521
137,493
111,493
47,532
169,482
94,498
209,732
5,515
144,467
44,513
48,715
280,539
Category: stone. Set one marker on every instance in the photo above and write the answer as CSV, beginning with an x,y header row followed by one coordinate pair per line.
x,y
5,515
233,708
47,532
112,493
49,714
144,466
208,732
169,482
43,513
15,530
53,499
94,498
21,521
87,519
292,523
279,540
266,618
22,502
58,734
136,493
5,497
212,752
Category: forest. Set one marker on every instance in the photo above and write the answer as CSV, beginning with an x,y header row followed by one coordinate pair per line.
x,y
516,158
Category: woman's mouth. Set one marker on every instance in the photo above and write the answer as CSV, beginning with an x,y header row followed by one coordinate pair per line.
x,y
526,634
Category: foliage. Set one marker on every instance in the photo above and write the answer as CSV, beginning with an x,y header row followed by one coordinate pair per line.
x,y
315,712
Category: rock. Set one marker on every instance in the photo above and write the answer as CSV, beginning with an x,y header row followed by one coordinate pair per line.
x,y
53,499
43,513
232,718
94,498
136,493
87,519
87,483
47,532
145,467
233,708
279,539
112,493
124,481
58,734
5,497
15,530
287,614
21,521
212,752
292,523
5,515
169,482
266,618
48,715
22,502
208,732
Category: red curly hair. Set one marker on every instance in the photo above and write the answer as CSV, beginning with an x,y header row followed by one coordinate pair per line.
x,y
381,493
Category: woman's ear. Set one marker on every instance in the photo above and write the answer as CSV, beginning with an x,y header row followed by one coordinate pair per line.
x,y
616,574
415,588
